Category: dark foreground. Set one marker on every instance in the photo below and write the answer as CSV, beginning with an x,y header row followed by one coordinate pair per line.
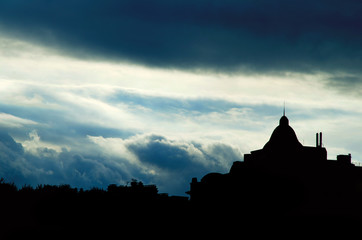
x,y
62,212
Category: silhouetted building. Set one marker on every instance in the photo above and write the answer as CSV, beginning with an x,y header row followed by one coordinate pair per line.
x,y
283,148
283,177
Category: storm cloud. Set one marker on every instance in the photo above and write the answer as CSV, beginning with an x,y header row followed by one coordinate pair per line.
x,y
100,92
149,158
255,36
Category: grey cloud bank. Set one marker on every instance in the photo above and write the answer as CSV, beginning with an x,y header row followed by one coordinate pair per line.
x,y
256,36
78,143
154,159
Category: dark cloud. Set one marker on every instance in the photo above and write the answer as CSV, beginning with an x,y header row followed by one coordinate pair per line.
x,y
156,150
8,143
11,161
43,165
346,84
173,163
177,162
179,156
222,35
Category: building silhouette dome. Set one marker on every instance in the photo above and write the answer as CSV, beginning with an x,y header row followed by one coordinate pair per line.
x,y
283,137
284,120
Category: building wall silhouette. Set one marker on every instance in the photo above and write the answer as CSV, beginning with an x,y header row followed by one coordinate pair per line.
x,y
284,178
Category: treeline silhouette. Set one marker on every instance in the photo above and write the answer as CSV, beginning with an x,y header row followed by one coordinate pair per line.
x,y
47,209
138,210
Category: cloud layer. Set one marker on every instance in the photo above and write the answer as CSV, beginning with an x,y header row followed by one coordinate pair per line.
x,y
102,161
255,36
80,104
89,136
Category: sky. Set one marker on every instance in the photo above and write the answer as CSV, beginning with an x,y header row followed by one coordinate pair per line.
x,y
94,93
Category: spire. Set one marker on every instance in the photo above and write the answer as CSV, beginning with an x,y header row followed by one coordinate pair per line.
x,y
284,120
284,109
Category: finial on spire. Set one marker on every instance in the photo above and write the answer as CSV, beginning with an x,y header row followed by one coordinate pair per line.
x,y
284,109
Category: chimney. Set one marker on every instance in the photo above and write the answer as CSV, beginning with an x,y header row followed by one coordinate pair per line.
x,y
320,139
316,140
